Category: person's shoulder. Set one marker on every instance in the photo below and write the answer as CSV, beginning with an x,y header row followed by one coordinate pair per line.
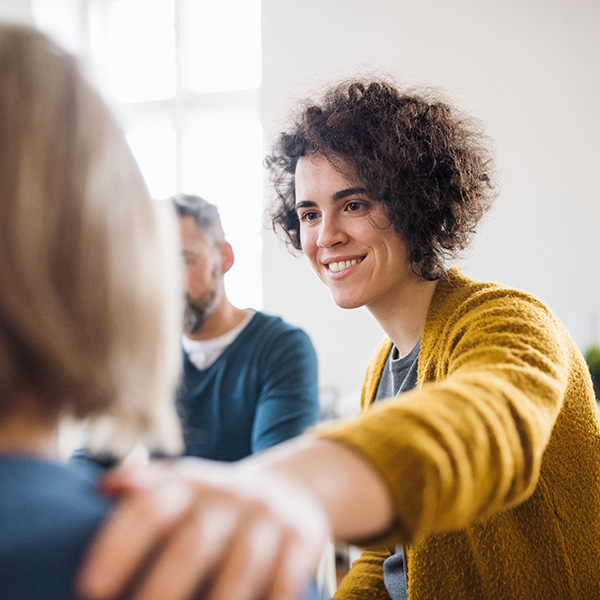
x,y
48,500
273,329
460,300
48,514
66,488
455,288
273,322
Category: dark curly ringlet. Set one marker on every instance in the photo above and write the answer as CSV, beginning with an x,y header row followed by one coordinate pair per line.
x,y
425,162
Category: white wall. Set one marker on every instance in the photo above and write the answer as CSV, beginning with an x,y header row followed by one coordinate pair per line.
x,y
528,69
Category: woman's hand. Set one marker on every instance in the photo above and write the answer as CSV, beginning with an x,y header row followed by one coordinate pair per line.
x,y
192,527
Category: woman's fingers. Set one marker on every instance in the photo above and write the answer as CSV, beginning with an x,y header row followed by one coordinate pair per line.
x,y
294,568
190,554
276,551
135,529
196,526
245,573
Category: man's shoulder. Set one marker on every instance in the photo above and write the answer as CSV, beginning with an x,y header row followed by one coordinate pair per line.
x,y
274,323
268,330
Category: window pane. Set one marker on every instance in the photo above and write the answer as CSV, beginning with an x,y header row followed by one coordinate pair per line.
x,y
155,152
222,161
244,281
141,50
223,44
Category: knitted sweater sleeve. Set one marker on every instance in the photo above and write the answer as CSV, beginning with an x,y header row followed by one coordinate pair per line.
x,y
365,580
493,370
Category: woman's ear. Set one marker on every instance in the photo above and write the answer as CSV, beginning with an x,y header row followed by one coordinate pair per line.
x,y
227,258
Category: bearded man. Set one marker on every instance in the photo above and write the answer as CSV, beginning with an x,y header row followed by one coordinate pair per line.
x,y
249,380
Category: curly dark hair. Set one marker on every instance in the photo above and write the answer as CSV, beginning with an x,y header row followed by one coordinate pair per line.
x,y
428,165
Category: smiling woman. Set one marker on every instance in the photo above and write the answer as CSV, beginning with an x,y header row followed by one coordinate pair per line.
x,y
380,186
350,242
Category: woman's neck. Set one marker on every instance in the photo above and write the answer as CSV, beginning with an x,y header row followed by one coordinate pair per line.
x,y
403,316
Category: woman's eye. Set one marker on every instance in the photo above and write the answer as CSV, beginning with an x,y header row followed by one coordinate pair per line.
x,y
308,216
354,206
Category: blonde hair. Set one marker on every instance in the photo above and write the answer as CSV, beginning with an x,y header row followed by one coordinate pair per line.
x,y
89,300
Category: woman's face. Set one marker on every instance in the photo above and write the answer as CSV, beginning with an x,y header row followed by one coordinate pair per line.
x,y
347,238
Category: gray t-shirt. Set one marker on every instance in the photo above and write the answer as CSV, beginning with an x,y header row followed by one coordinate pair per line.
x,y
398,375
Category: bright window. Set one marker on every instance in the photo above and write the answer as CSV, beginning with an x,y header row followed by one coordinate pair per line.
x,y
184,77
140,52
229,31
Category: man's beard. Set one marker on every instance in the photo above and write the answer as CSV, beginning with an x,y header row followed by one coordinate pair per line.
x,y
197,311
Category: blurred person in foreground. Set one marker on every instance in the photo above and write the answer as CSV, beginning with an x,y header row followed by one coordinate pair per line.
x,y
90,317
472,472
88,324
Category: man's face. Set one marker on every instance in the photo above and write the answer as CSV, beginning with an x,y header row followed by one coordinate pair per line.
x,y
203,274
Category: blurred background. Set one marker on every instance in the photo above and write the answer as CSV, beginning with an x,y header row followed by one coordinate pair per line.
x,y
202,87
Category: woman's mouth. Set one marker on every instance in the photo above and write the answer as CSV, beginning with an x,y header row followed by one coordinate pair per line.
x,y
342,265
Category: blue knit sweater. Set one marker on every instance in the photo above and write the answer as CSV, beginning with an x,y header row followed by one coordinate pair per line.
x,y
261,391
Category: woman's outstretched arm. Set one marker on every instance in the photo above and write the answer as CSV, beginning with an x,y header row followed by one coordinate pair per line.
x,y
248,530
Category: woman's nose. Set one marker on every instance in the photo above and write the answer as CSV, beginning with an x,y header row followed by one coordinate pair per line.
x,y
330,233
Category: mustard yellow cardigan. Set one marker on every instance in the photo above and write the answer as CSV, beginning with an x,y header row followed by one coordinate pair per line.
x,y
493,462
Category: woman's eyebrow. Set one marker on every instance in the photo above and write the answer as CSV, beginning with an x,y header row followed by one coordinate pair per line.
x,y
335,197
304,204
348,192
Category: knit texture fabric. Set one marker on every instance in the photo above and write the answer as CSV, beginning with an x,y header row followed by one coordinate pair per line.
x,y
262,390
493,462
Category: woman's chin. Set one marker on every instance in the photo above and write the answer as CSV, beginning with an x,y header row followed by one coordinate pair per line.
x,y
346,302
